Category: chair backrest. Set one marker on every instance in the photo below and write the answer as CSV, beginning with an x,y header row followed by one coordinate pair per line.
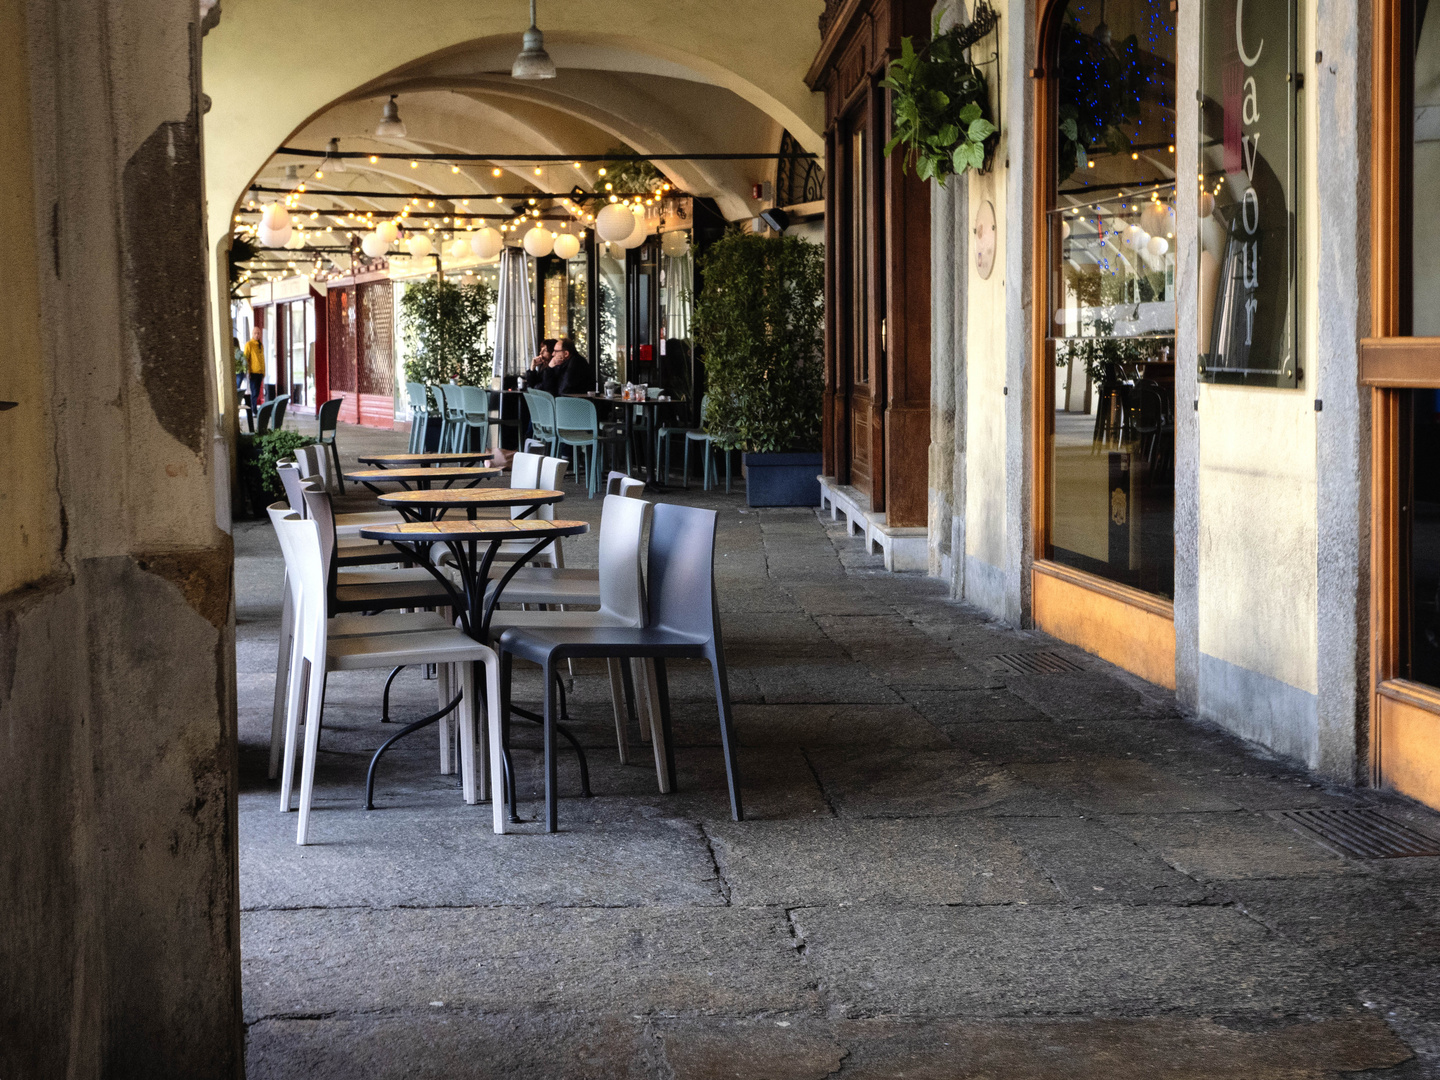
x,y
263,417
307,568
622,562
277,419
704,411
415,395
475,403
328,416
307,461
552,472
542,410
318,503
284,519
294,485
682,571
576,414
618,483
525,470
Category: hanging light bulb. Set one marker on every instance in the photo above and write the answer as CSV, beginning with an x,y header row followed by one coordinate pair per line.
x,y
533,62
391,126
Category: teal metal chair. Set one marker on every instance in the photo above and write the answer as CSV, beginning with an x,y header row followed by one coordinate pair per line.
x,y
542,418
577,425
475,408
327,420
710,446
419,401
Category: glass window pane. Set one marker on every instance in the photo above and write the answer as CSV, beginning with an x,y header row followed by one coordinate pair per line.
x,y
610,357
1112,295
1420,537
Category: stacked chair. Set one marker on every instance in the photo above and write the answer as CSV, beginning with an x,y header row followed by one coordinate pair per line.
x,y
417,397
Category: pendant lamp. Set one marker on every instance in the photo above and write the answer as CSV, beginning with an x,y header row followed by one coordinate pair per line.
x,y
391,126
533,62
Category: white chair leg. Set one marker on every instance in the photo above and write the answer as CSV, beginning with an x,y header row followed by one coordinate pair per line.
x,y
657,732
497,758
617,702
469,711
444,694
314,708
282,680
294,713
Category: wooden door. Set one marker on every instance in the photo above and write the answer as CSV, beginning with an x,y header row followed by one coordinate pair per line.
x,y
1402,365
859,308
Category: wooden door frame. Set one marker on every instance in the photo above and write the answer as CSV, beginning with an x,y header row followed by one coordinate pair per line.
x,y
1391,362
1133,629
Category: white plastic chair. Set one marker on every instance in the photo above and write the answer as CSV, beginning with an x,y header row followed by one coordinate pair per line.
x,y
346,525
318,651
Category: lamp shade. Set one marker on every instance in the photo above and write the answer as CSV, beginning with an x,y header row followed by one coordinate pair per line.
x,y
539,241
274,238
418,244
275,216
1153,219
614,223
391,126
487,242
675,244
567,246
533,62
296,241
373,245
458,248
388,231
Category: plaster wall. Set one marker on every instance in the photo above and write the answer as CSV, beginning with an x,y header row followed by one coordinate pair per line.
x,y
119,942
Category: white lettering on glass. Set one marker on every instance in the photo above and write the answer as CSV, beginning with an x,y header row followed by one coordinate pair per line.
x,y
1250,109
1248,61
1250,211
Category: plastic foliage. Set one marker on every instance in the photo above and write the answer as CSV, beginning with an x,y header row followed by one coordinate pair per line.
x,y
759,319
942,103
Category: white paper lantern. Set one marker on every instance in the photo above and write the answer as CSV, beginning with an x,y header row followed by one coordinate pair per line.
x,y
274,238
615,223
275,216
1154,219
459,248
388,231
539,242
675,244
1207,204
567,246
373,245
418,244
296,241
487,243
641,233
1136,238
1158,246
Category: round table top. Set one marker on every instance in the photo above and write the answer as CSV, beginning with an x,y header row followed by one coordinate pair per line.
x,y
439,472
461,498
381,461
486,529
652,403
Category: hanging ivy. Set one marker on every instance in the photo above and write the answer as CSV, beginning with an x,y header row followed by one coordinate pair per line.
x,y
942,102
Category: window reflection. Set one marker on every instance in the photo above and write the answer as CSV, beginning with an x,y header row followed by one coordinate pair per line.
x,y
1112,295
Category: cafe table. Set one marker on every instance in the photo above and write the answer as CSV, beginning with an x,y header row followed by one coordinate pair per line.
x,y
430,505
422,478
652,407
474,545
416,461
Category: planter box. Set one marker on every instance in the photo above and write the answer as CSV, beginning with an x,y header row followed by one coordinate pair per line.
x,y
782,479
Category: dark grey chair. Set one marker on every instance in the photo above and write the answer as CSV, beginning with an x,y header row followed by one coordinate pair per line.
x,y
682,622
277,419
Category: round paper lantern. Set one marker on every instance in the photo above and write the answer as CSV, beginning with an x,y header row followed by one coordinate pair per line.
x,y
388,231
373,246
418,244
1207,204
487,243
675,244
539,242
274,238
275,216
1064,230
458,248
1136,237
567,246
638,237
1154,219
296,241
1158,246
615,223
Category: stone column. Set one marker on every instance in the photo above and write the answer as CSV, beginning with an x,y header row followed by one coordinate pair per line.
x,y
119,937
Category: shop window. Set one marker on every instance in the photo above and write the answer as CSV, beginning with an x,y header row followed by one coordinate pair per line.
x,y
1111,239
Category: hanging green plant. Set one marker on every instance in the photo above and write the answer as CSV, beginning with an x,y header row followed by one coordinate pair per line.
x,y
942,102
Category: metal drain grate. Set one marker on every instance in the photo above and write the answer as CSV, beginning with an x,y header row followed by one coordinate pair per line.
x,y
1034,663
1364,833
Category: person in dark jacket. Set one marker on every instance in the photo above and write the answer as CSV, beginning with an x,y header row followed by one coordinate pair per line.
x,y
535,374
568,372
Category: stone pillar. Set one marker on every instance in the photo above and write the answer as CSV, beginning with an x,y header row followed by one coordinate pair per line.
x,y
119,928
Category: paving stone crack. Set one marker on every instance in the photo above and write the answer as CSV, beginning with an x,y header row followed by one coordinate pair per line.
x,y
721,882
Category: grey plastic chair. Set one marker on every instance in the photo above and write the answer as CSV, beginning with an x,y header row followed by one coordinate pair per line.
x,y
577,425
263,418
277,419
327,421
542,418
475,413
683,622
415,394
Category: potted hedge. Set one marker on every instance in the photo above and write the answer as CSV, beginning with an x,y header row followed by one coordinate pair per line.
x,y
760,320
443,326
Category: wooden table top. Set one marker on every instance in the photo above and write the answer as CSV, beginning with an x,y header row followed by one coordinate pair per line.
x,y
433,473
464,497
382,460
485,529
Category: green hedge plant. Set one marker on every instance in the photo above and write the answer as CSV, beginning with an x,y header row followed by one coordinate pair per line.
x,y
759,320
